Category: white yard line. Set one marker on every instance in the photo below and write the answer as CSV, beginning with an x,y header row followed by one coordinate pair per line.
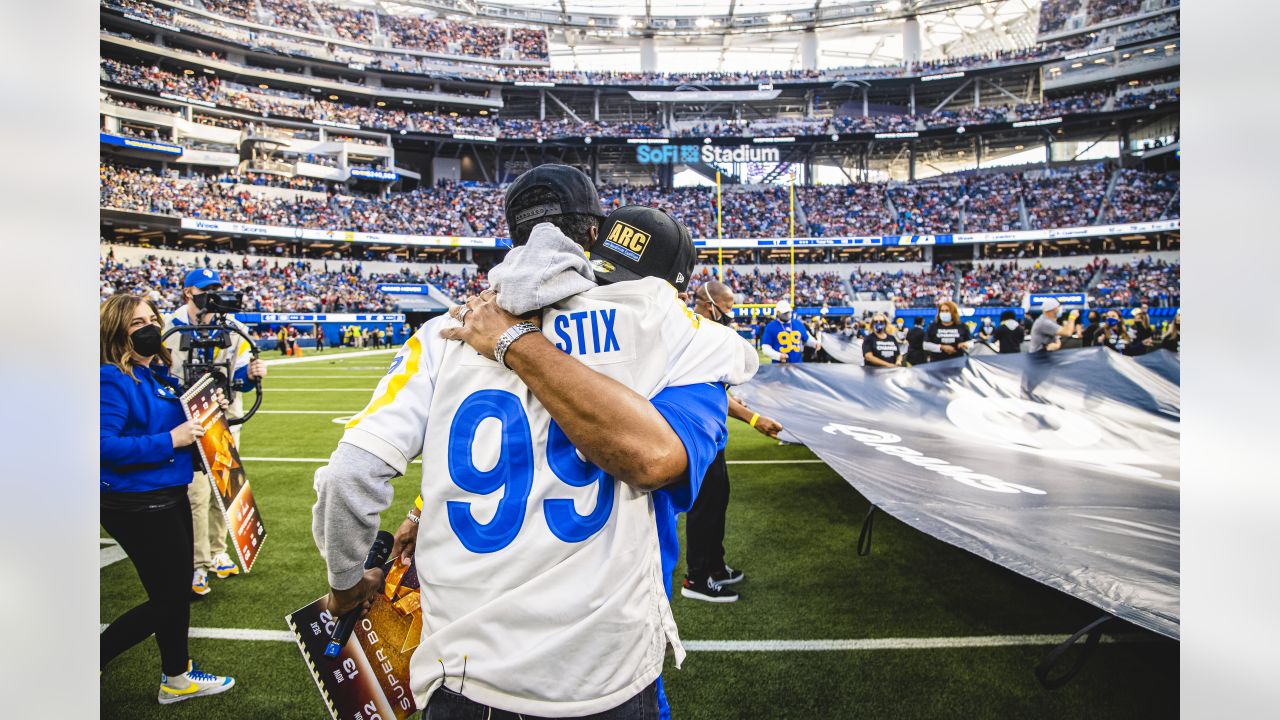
x,y
109,552
325,459
335,413
365,390
316,357
352,376
937,643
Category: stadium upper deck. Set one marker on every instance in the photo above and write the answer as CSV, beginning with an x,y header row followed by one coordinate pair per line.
x,y
404,43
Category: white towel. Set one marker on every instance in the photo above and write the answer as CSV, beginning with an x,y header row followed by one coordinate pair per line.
x,y
544,271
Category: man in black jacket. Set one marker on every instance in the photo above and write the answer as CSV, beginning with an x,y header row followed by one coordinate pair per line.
x,y
915,344
1009,335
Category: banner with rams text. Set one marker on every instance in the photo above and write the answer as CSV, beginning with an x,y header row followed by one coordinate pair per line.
x,y
1062,466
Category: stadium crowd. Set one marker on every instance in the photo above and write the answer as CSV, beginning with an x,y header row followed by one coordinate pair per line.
x,y
282,285
293,105
443,210
312,285
763,288
1153,282
973,203
408,31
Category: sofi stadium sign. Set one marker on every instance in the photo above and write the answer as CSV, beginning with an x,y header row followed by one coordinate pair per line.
x,y
663,154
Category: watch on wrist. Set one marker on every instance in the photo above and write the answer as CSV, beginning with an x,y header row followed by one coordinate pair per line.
x,y
513,333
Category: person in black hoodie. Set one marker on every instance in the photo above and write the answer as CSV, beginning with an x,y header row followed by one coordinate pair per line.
x,y
1089,336
1009,335
915,344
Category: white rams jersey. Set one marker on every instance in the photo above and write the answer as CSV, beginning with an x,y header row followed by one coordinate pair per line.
x,y
539,573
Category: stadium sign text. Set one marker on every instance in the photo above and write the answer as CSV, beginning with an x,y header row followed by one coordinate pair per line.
x,y
658,155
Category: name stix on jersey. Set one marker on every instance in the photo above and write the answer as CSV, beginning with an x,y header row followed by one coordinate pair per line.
x,y
587,332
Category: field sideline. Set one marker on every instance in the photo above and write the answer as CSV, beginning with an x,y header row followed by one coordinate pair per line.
x,y
918,629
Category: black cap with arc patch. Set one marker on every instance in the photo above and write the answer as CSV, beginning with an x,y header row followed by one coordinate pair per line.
x,y
636,241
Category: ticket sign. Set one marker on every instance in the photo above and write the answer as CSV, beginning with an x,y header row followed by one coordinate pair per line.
x,y
221,461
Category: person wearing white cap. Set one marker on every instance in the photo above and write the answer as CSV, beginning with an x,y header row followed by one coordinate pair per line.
x,y
785,337
1046,330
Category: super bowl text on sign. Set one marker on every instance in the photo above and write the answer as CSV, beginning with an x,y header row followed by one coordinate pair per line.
x,y
369,680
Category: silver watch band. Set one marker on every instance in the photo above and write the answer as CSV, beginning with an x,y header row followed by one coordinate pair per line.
x,y
512,334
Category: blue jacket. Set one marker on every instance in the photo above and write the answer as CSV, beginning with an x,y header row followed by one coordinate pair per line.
x,y
135,450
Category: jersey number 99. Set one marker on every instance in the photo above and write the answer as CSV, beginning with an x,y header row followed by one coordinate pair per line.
x,y
789,342
513,473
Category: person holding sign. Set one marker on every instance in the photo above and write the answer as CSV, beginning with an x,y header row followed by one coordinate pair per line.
x,y
210,527
146,461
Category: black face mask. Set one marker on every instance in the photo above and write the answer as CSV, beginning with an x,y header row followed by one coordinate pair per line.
x,y
724,318
146,340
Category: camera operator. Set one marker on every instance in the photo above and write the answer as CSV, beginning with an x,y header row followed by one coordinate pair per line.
x,y
208,522
146,465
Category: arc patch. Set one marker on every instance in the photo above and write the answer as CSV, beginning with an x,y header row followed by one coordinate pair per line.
x,y
627,240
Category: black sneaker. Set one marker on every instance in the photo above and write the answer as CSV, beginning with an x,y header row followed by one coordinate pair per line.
x,y
708,590
728,576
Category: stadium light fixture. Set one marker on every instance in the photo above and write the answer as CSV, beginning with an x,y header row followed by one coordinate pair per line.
x,y
188,71
703,23
484,112
453,114
333,97
382,103
1017,147
264,86
777,18
893,6
625,22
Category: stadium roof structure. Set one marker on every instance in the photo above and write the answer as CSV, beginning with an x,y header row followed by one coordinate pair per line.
x,y
750,35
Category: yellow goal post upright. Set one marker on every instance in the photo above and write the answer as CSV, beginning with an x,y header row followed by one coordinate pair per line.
x,y
719,233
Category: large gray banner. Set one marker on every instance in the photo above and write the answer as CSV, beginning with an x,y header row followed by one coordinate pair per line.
x,y
1062,467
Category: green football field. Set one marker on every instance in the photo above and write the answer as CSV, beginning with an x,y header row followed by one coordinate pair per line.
x,y
793,523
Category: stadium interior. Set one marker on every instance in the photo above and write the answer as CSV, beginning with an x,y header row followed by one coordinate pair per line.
x,y
350,156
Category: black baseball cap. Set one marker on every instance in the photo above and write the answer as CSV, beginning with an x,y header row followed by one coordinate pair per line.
x,y
636,241
574,192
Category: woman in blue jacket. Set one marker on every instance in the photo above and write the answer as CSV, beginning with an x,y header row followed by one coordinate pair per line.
x,y
146,465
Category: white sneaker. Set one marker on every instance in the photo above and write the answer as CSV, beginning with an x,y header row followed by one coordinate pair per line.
x,y
198,684
223,566
200,583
